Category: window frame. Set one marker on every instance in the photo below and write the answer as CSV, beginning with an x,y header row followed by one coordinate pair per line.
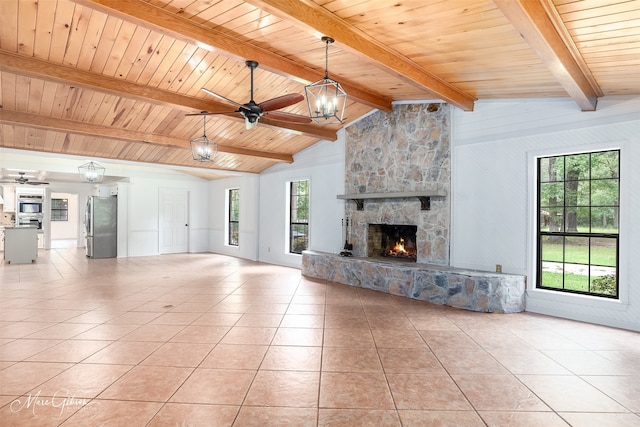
x,y
232,223
291,223
568,295
58,209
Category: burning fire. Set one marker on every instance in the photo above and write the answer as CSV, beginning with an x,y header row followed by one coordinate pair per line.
x,y
398,249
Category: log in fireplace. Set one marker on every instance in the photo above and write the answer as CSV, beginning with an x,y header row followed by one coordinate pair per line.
x,y
392,241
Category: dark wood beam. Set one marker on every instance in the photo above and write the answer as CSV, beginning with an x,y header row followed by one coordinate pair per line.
x,y
535,21
82,128
312,16
149,16
20,64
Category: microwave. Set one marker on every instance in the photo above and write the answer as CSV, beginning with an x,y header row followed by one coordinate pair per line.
x,y
30,207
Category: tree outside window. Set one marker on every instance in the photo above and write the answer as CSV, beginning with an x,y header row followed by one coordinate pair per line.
x,y
234,216
299,216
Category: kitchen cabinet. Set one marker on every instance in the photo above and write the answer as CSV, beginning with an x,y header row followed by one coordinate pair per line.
x,y
20,244
9,196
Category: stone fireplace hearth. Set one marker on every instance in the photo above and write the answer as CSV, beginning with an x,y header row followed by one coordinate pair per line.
x,y
468,289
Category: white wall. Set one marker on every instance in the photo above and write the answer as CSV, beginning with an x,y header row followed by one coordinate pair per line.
x,y
323,165
143,211
248,186
494,149
263,206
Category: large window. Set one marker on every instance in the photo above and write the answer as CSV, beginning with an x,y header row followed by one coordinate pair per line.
x,y
578,203
59,209
234,216
299,216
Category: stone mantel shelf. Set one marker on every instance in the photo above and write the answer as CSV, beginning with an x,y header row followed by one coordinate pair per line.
x,y
423,196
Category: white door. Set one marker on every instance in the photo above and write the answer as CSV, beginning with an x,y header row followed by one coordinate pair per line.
x,y
174,220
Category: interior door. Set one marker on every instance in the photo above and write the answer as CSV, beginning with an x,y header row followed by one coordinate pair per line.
x,y
174,220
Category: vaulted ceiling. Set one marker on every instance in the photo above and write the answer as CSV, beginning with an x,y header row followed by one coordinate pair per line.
x,y
115,79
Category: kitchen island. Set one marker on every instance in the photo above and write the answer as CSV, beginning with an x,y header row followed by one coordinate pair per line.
x,y
20,244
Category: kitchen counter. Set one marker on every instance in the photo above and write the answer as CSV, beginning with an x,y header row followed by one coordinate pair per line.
x,y
20,244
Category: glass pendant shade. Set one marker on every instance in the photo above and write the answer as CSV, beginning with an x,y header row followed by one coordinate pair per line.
x,y
91,172
326,99
203,149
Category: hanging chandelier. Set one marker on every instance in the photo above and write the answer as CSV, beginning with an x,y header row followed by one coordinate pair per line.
x,y
91,172
203,149
326,99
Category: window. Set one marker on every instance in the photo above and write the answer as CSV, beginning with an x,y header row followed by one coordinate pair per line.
x,y
59,210
234,216
578,230
298,216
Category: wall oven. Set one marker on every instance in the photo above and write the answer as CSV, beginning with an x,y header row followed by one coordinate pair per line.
x,y
30,207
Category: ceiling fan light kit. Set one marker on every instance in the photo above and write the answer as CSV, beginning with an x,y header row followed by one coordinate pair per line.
x,y
203,149
326,99
91,172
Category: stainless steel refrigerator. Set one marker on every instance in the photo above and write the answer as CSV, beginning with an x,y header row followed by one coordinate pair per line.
x,y
101,223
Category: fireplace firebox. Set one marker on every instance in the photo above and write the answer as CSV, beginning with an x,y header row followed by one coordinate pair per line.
x,y
393,241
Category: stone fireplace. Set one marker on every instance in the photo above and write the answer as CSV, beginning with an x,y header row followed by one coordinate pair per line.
x,y
392,242
403,151
397,186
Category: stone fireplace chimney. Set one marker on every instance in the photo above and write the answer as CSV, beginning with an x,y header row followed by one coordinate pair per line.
x,y
405,150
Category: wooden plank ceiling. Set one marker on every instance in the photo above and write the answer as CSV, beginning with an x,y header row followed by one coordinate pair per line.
x,y
114,78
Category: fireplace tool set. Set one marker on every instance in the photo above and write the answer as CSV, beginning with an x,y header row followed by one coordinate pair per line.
x,y
348,246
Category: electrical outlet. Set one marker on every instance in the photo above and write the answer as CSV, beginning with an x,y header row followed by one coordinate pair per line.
x,y
498,268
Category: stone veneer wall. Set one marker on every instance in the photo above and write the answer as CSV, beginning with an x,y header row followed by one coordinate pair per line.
x,y
406,149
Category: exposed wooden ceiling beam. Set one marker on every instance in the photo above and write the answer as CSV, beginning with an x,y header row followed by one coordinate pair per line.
x,y
82,128
147,15
315,17
533,20
13,62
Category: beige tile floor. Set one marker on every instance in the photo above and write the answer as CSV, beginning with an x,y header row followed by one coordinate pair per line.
x,y
210,340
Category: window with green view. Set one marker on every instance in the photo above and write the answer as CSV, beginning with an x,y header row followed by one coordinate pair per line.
x,y
298,216
234,216
578,226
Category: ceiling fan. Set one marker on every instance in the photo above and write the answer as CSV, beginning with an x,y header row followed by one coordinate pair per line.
x,y
22,179
252,111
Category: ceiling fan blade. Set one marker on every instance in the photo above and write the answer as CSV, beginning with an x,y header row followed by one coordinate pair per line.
x,y
281,102
207,113
283,116
227,100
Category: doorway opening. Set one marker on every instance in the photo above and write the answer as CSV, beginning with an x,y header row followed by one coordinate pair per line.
x,y
65,220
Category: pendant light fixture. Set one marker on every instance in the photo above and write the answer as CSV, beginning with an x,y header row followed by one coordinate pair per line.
x,y
326,99
91,172
203,149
